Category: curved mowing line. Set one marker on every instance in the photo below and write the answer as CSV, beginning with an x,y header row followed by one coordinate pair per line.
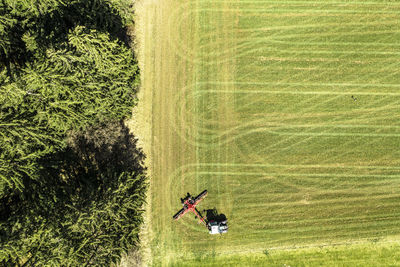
x,y
387,69
312,176
379,81
249,41
254,30
318,66
200,92
298,228
290,146
271,124
208,61
285,140
268,125
312,107
245,45
278,32
189,11
221,158
261,45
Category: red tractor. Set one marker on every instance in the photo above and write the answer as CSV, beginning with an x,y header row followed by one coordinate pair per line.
x,y
189,204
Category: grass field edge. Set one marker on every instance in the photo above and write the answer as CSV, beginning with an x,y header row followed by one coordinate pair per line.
x,y
275,256
141,125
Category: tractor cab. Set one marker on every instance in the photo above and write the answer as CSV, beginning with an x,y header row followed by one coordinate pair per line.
x,y
217,227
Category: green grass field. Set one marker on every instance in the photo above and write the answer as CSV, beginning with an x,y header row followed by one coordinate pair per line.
x,y
288,113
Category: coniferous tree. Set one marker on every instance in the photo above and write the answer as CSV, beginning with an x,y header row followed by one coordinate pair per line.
x,y
50,84
66,70
89,209
69,89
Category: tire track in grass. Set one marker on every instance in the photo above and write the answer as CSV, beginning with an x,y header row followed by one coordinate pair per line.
x,y
223,168
351,141
319,65
310,176
313,107
331,93
288,147
181,18
315,175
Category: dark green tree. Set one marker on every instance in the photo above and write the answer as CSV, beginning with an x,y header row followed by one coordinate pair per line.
x,y
72,181
88,212
94,80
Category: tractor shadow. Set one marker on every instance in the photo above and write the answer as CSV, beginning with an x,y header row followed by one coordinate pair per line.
x,y
213,215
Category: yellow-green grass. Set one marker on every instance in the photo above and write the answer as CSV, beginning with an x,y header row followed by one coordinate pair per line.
x,y
287,112
355,255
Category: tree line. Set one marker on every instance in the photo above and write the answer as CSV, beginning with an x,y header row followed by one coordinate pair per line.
x,y
72,179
